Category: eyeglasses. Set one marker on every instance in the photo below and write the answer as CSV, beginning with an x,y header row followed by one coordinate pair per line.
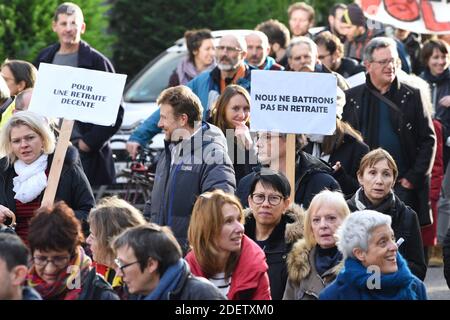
x,y
383,63
324,56
259,198
123,266
230,49
58,261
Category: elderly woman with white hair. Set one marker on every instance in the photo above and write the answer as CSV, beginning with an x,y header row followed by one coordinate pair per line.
x,y
373,267
27,144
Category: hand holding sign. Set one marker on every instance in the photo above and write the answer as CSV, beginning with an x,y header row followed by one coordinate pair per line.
x,y
76,94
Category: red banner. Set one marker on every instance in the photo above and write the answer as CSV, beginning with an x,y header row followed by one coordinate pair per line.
x,y
420,16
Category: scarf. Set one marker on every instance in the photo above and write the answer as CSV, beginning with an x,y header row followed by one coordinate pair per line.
x,y
187,71
168,282
31,179
363,203
327,258
393,286
439,79
62,289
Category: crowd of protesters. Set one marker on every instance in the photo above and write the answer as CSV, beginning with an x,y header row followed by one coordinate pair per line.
x,y
223,221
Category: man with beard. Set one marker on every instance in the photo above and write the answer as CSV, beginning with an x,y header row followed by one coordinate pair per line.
x,y
258,50
230,69
389,114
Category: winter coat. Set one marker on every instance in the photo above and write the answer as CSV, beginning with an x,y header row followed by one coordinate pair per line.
x,y
349,67
312,175
304,282
98,163
207,86
249,280
446,253
205,167
73,186
351,284
349,154
97,288
278,245
405,225
429,233
28,293
415,132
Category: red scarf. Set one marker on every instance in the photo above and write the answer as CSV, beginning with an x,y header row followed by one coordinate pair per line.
x,y
61,288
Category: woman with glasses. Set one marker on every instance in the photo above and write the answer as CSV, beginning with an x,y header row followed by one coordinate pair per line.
x,y
273,223
106,220
314,261
377,174
222,253
231,113
27,144
60,268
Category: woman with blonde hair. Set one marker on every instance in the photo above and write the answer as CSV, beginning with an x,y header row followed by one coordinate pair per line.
x,y
106,220
27,144
314,261
222,253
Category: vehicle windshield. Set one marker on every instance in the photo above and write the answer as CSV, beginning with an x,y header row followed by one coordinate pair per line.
x,y
155,79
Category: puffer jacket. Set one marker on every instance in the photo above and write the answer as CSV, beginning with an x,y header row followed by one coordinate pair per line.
x,y
201,164
278,245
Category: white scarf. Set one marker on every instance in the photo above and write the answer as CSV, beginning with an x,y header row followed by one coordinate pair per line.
x,y
31,179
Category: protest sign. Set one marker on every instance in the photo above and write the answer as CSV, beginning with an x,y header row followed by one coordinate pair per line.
x,y
74,94
293,102
77,94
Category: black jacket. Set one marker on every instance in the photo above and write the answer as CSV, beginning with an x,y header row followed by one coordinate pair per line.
x,y
349,67
97,288
98,164
191,287
312,175
73,185
349,153
446,252
278,245
405,224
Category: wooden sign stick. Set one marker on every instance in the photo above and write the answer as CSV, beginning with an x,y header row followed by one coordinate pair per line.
x,y
58,161
290,163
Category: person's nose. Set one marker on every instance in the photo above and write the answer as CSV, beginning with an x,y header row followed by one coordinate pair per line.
x,y
89,239
392,246
23,143
160,124
239,228
323,224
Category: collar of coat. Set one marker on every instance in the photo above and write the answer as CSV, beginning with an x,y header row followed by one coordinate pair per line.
x,y
299,262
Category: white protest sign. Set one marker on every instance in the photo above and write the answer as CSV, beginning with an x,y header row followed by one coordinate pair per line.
x,y
293,102
356,79
77,94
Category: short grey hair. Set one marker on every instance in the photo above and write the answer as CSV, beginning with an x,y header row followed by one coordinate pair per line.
x,y
262,36
378,43
299,40
356,230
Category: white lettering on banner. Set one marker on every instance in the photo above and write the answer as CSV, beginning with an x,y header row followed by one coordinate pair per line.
x,y
77,94
293,102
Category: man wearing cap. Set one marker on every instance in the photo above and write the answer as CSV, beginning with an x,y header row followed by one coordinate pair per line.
x,y
389,114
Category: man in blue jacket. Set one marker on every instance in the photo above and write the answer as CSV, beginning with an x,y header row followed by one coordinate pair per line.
x,y
91,140
231,69
194,160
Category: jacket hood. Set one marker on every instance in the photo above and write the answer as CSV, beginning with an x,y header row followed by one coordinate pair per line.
x,y
298,262
294,217
308,163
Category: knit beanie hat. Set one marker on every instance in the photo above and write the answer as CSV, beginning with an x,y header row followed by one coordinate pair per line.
x,y
354,15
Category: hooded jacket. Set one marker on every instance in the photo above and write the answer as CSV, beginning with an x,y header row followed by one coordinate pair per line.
x,y
201,164
304,282
278,245
249,280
